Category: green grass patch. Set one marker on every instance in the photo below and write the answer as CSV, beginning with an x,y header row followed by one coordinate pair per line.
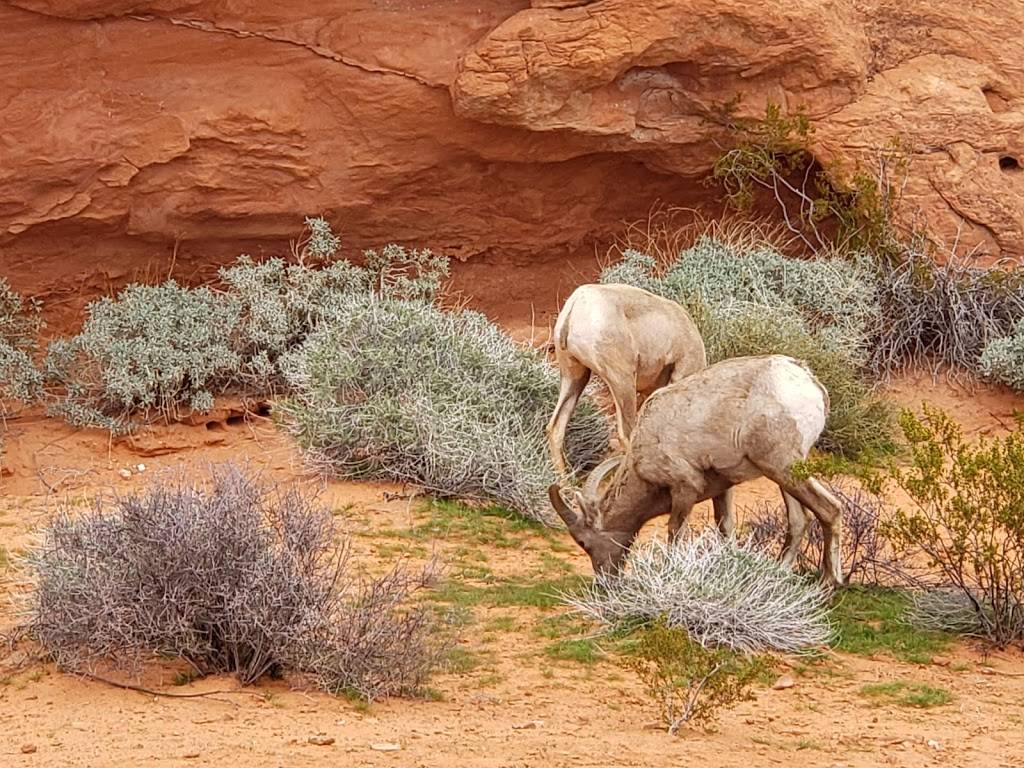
x,y
506,593
578,650
389,551
461,661
916,695
551,564
561,625
870,620
500,624
492,526
491,680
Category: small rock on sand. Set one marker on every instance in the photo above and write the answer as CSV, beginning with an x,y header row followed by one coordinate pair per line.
x,y
786,681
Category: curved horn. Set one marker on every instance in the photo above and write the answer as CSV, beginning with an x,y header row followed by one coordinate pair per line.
x,y
568,516
594,479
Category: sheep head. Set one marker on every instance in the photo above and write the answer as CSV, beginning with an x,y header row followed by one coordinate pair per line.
x,y
606,549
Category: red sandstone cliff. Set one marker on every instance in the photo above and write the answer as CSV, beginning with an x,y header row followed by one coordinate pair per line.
x,y
472,126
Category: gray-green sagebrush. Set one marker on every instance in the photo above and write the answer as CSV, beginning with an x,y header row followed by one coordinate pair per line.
x,y
753,300
444,400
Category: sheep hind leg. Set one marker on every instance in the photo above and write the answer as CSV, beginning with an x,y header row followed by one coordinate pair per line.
x,y
829,512
798,517
826,508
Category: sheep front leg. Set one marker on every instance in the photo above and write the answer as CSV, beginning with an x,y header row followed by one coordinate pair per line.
x,y
682,505
725,512
573,382
623,391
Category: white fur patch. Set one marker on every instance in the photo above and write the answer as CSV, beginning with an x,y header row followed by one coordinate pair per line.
x,y
801,396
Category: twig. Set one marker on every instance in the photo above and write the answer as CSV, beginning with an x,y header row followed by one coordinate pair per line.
x,y
693,700
164,694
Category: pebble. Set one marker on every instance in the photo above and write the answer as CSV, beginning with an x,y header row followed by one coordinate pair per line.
x,y
141,467
28,749
321,740
786,681
125,473
190,755
386,746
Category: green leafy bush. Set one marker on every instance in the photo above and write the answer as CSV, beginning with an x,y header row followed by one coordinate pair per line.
x,y
20,379
966,519
775,154
155,348
689,682
402,390
752,301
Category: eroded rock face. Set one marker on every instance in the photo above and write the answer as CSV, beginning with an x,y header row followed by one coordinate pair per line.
x,y
509,128
945,78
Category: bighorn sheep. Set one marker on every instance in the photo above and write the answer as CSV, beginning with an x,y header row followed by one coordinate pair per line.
x,y
739,419
633,340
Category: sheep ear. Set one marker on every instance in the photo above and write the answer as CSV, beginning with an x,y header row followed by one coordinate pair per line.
x,y
570,518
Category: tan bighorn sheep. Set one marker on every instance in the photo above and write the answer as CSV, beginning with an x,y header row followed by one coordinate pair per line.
x,y
737,420
633,340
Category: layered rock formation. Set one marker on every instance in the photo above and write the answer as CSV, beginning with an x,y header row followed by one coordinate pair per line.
x,y
498,127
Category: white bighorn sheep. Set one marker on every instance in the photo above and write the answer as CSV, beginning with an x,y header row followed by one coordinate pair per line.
x,y
737,420
633,340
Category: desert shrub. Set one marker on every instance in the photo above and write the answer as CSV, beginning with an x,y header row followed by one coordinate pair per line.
x,y
946,315
378,644
283,303
867,555
829,293
750,300
280,304
952,610
20,379
966,517
860,423
724,594
153,348
234,579
398,273
821,205
689,682
402,390
1003,358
